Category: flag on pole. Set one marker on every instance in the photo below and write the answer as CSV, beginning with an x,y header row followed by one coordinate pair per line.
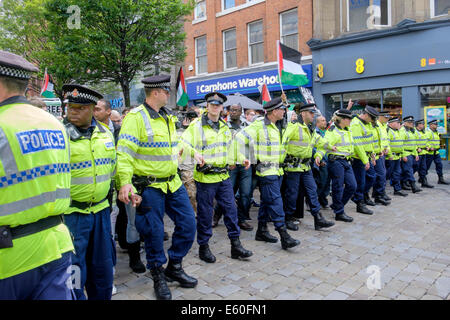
x,y
47,88
182,97
290,70
265,94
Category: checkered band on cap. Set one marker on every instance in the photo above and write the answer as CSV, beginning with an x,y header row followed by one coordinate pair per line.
x,y
14,72
80,96
157,85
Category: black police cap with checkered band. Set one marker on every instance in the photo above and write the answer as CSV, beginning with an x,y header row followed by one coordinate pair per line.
x,y
75,93
160,81
14,66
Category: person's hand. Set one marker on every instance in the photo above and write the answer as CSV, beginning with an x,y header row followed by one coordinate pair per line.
x,y
323,164
334,148
317,161
419,150
405,159
246,164
417,158
350,104
199,159
367,166
136,200
180,153
374,162
124,193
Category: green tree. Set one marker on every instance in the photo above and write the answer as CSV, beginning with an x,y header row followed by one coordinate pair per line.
x,y
118,38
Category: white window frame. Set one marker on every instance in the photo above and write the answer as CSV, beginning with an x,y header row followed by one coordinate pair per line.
x,y
249,45
389,6
222,2
195,17
281,27
433,10
225,67
196,57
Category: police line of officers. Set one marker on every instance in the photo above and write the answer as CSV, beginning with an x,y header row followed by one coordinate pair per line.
x,y
55,204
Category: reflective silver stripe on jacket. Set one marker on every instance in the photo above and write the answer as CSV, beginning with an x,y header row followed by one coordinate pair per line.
x,y
81,180
103,177
6,155
33,202
147,157
148,127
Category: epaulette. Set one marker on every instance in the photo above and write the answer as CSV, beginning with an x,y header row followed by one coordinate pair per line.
x,y
137,109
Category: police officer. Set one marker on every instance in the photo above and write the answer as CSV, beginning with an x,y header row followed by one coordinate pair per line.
x,y
422,144
298,174
92,163
433,152
340,150
35,245
410,155
266,140
381,148
364,158
148,157
395,155
210,138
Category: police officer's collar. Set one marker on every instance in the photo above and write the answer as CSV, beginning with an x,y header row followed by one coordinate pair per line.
x,y
153,113
15,99
363,121
208,122
267,121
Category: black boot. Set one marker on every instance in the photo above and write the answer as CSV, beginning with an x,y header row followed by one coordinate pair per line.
x,y
400,193
162,291
442,181
415,189
262,234
175,272
361,208
405,185
382,201
320,222
286,240
385,197
238,251
166,236
135,257
205,254
420,180
425,183
343,217
368,201
290,223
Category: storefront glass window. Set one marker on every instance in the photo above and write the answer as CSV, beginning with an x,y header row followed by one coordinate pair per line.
x,y
368,14
362,99
392,102
333,103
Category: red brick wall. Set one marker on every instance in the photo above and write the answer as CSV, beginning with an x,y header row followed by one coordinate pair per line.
x,y
268,11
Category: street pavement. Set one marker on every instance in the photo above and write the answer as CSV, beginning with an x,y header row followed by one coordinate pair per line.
x,y
401,252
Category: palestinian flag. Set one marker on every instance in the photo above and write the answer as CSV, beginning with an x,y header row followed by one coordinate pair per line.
x,y
265,94
47,88
290,70
182,97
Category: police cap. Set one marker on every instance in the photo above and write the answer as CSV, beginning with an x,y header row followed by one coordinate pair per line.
x,y
14,66
216,98
344,113
274,104
306,107
371,111
384,114
395,119
161,81
75,93
433,121
421,121
408,118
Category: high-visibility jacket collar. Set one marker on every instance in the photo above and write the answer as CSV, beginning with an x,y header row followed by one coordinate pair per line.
x,y
14,100
152,112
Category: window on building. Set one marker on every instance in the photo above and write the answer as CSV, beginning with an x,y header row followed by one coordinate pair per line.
x,y
200,9
289,29
439,7
227,4
201,58
229,49
368,14
256,42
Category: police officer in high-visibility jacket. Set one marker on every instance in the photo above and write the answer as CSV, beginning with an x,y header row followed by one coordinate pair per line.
x,y
422,143
266,140
210,138
410,153
340,149
395,155
92,163
302,139
364,157
433,152
35,245
147,156
381,148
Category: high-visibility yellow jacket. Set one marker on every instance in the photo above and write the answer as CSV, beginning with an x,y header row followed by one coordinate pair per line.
x,y
148,146
301,144
434,141
422,141
213,145
92,164
362,133
264,145
34,184
342,139
396,139
409,141
380,139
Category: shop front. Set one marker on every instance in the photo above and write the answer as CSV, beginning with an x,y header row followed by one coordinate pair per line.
x,y
245,82
404,70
